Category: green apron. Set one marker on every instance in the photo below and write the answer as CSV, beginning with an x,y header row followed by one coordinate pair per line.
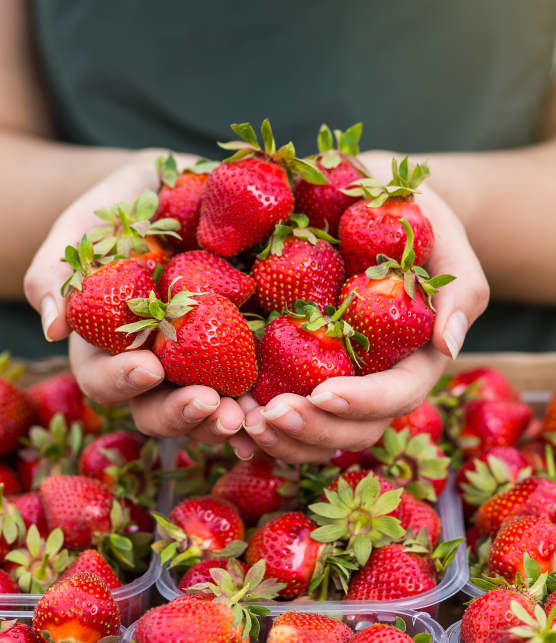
x,y
425,76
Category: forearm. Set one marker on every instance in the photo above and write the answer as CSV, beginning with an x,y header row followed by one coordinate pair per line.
x,y
504,199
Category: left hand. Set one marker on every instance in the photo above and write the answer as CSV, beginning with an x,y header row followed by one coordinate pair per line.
x,y
352,412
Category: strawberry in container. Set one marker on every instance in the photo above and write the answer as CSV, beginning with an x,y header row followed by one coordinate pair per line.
x,y
17,411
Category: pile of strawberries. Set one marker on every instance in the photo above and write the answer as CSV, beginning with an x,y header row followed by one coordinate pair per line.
x,y
233,276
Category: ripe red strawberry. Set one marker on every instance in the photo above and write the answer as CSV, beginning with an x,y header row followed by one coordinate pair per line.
x,y
31,510
298,263
200,572
539,628
180,198
485,383
381,633
325,204
550,603
257,487
533,496
7,586
299,627
416,515
201,339
9,480
549,421
492,611
493,471
488,424
80,608
201,271
300,350
139,518
424,419
97,305
393,308
91,561
291,555
79,506
61,394
415,463
16,409
372,226
245,197
535,454
13,632
345,459
522,535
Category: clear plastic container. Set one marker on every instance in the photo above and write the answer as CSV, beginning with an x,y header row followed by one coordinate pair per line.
x,y
456,576
452,633
359,617
27,618
539,401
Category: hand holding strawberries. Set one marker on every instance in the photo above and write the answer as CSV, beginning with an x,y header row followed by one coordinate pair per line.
x,y
239,206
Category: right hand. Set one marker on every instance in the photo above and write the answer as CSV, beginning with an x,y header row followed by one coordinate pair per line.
x,y
136,377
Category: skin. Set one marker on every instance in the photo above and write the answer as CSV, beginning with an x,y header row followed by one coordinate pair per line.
x,y
355,411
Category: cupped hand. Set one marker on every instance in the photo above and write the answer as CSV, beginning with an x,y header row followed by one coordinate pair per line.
x,y
352,412
136,376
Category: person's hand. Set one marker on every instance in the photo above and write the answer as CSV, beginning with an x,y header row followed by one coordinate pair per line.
x,y
352,412
136,376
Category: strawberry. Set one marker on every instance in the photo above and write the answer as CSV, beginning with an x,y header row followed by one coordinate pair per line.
x,y
291,554
393,308
299,627
200,572
533,496
7,586
179,198
201,271
80,609
540,627
245,197
31,510
484,383
550,603
61,394
521,535
381,633
91,561
300,350
201,339
424,419
549,422
199,526
325,204
138,518
491,611
257,487
488,424
13,632
345,459
373,225
16,408
416,515
493,471
49,451
415,463
9,480
12,527
534,452
39,563
97,303
298,263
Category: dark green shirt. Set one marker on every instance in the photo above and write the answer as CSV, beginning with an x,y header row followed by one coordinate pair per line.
x,y
424,76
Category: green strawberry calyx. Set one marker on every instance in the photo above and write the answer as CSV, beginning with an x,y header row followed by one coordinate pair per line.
x,y
347,145
40,562
439,557
359,518
158,314
167,169
127,226
9,371
84,259
181,550
12,527
232,587
314,320
411,274
249,146
411,462
298,227
404,184
422,637
535,629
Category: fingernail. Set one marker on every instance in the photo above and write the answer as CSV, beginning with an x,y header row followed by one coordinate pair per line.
x,y
256,429
289,419
142,378
276,412
49,312
203,406
328,401
455,331
220,429
192,413
244,454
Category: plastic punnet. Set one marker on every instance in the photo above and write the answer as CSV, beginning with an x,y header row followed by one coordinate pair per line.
x,y
453,633
416,622
26,618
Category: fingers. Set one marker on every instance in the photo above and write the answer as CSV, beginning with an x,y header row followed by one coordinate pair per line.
x,y
387,394
244,447
461,302
47,273
221,425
